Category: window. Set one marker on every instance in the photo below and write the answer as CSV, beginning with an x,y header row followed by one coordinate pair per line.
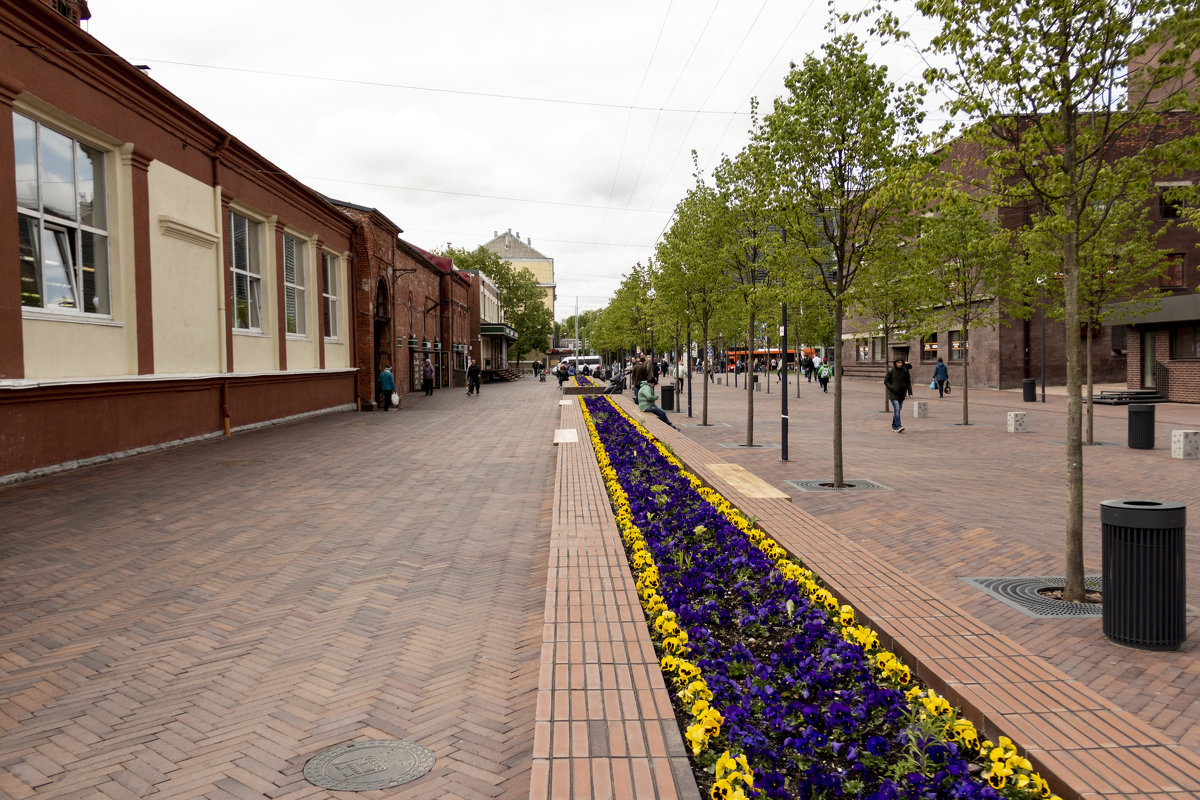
x,y
929,347
245,273
329,294
61,219
1173,274
1185,342
958,346
293,283
863,348
879,349
1169,206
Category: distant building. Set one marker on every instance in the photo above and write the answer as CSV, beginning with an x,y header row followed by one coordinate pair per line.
x,y
521,254
490,334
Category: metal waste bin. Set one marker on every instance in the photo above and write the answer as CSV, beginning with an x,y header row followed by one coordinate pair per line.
x,y
1029,390
1144,573
668,398
1141,426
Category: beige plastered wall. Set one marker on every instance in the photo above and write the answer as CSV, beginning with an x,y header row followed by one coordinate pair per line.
x,y
186,274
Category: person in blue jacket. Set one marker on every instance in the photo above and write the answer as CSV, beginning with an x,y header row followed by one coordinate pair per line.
x,y
387,385
940,376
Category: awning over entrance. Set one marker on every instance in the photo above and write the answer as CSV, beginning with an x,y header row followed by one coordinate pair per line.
x,y
498,329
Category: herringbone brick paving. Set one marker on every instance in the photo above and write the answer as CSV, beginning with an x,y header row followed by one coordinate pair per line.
x,y
201,622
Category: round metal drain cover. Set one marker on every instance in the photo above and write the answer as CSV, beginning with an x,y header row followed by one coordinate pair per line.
x,y
363,766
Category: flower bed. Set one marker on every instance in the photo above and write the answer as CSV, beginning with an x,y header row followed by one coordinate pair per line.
x,y
779,692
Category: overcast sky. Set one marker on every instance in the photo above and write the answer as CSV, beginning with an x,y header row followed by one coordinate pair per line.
x,y
570,123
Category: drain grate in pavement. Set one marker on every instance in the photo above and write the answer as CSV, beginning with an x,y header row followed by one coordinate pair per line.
x,y
1022,594
826,485
365,766
735,445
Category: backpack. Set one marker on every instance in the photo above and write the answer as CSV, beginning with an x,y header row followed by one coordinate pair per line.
x,y
824,371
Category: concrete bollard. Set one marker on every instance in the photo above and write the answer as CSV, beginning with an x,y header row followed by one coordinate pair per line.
x,y
920,409
1185,444
1017,422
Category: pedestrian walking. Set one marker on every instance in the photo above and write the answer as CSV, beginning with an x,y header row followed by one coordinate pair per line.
x,y
647,400
427,378
824,373
387,387
940,376
899,386
680,376
807,366
472,378
561,374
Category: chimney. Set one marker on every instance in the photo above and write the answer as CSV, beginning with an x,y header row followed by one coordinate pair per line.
x,y
529,241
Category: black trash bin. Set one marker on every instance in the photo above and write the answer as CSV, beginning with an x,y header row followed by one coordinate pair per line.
x,y
1141,426
668,398
1029,390
1144,573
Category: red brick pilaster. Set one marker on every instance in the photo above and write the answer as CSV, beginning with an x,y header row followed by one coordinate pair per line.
x,y
12,353
139,163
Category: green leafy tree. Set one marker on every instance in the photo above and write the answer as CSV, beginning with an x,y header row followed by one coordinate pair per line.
x,y
1060,122
834,138
690,267
747,244
965,255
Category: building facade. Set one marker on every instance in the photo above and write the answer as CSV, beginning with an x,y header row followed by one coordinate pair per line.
x,y
164,281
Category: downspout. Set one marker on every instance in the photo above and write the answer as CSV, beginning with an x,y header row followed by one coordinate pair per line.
x,y
222,309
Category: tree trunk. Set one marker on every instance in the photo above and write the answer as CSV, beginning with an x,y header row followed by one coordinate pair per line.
x,y
750,384
1073,591
1089,386
966,392
887,404
839,476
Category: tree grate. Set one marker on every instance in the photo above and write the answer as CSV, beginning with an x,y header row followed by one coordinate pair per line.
x,y
826,485
1022,594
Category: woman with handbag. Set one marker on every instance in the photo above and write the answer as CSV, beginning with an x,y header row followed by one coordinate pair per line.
x,y
387,386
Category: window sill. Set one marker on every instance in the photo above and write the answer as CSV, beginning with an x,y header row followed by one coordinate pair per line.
x,y
254,332
298,337
71,317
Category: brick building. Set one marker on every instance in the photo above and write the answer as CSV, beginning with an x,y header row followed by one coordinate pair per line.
x,y
165,282
1159,350
410,305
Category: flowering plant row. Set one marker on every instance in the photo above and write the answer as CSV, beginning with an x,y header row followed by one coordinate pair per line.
x,y
782,694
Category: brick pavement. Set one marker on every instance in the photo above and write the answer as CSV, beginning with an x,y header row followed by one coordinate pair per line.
x,y
200,622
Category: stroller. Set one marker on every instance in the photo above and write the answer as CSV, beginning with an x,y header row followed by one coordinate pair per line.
x,y
616,385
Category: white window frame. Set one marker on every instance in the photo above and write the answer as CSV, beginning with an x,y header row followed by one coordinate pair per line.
x,y
294,269
67,235
329,293
247,267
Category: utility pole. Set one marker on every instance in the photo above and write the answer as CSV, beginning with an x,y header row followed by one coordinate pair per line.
x,y
783,414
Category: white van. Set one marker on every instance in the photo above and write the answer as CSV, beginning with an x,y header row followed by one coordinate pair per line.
x,y
592,362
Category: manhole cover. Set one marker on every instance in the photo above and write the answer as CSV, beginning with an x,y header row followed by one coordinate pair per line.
x,y
363,766
826,485
1022,594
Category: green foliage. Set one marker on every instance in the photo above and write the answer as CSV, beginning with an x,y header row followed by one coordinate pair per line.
x,y
523,301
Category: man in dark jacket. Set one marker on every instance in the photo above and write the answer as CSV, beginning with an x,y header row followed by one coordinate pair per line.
x,y
899,386
473,378
639,373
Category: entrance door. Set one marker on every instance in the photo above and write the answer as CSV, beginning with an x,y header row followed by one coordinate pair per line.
x,y
1148,360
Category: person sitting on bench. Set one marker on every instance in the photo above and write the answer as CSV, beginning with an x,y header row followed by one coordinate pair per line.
x,y
647,400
